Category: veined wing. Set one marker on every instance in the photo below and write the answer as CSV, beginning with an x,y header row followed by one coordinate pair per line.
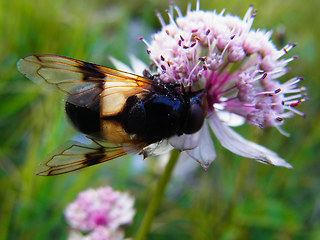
x,y
85,83
73,76
78,155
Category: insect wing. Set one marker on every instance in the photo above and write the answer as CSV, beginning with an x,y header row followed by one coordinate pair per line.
x,y
74,76
78,155
85,83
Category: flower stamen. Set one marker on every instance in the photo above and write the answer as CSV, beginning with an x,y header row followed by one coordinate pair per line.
x,y
238,67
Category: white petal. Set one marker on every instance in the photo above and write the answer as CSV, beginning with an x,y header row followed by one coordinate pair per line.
x,y
120,65
238,145
231,119
204,153
157,148
137,65
185,141
186,167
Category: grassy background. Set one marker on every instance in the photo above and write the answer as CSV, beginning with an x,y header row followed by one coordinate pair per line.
x,y
235,199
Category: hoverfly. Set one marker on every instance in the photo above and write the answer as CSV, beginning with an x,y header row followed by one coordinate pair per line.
x,y
110,106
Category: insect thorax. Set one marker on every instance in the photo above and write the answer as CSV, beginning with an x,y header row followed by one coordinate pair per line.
x,y
155,116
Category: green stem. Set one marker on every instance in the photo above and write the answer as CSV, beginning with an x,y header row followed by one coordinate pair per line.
x,y
157,197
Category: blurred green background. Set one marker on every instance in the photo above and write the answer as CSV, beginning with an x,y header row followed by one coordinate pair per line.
x,y
235,199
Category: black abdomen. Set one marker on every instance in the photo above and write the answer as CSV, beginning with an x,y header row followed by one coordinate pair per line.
x,y
84,119
149,118
83,109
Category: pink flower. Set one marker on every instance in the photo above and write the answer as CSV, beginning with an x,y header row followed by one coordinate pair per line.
x,y
240,69
102,207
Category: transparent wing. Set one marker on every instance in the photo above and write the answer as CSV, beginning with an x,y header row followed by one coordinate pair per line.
x,y
85,83
77,155
73,76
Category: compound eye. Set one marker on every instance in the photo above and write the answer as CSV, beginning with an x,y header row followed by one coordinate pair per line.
x,y
195,119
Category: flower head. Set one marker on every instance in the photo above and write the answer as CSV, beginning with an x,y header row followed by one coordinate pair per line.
x,y
102,207
238,67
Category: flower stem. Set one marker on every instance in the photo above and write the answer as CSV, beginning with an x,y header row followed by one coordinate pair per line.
x,y
157,197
